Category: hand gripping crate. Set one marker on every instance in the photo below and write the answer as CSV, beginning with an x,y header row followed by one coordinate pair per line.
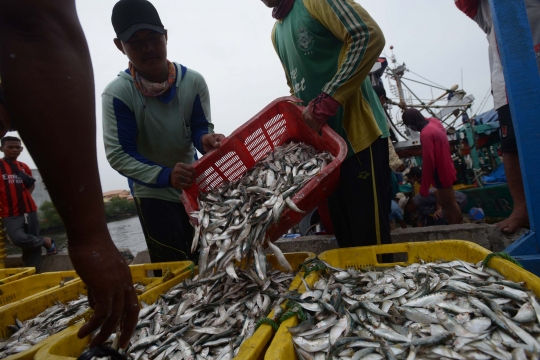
x,y
359,257
69,346
278,123
33,305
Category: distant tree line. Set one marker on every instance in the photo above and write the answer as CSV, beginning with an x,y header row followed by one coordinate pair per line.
x,y
115,209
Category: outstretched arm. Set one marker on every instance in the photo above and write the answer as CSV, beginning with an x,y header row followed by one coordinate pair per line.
x,y
44,57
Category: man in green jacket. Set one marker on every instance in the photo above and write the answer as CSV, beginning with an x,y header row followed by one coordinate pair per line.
x,y
327,49
156,114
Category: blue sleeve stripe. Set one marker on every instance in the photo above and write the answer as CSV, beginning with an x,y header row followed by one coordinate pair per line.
x,y
199,124
130,184
184,71
163,178
127,133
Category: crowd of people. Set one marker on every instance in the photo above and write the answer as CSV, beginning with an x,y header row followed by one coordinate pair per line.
x,y
154,98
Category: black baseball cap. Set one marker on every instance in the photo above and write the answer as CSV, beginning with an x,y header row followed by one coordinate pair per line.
x,y
380,91
130,16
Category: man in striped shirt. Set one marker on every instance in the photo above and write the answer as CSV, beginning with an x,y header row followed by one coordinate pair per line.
x,y
19,212
327,48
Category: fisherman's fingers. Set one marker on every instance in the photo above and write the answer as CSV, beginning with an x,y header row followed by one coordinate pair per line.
x,y
109,318
131,316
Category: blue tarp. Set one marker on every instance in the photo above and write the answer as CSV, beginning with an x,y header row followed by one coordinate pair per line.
x,y
496,177
487,117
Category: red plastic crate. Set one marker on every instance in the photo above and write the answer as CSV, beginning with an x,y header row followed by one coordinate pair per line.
x,y
280,122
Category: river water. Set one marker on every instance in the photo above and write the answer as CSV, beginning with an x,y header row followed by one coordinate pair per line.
x,y
125,233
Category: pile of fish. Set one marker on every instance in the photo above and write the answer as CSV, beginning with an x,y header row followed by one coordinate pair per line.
x,y
438,310
205,319
233,218
211,315
51,321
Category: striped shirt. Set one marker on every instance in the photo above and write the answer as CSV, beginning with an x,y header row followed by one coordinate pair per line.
x,y
15,198
330,46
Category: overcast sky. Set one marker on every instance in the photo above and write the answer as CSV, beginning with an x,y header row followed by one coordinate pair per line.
x,y
228,42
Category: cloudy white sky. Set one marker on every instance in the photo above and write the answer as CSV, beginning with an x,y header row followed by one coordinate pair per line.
x,y
228,42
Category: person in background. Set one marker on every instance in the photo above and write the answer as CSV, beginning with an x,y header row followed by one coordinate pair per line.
x,y
437,165
156,114
396,215
395,162
430,212
480,12
327,49
19,212
414,176
43,52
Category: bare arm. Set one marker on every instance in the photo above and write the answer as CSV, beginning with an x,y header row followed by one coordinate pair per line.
x,y
43,53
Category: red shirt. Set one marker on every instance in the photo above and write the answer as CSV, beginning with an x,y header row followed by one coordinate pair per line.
x,y
15,199
436,156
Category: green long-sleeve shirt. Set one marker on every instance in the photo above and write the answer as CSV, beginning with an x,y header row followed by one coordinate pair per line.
x,y
330,46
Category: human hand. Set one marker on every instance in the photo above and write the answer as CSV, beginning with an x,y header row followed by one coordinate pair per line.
x,y
401,168
438,213
182,176
110,288
310,121
211,141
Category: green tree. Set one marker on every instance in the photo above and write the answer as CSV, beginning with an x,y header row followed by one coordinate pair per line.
x,y
119,207
49,216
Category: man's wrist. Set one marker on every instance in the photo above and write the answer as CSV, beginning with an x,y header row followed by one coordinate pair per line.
x,y
199,145
323,107
96,229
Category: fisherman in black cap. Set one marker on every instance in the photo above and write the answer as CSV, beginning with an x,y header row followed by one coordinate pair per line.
x,y
156,114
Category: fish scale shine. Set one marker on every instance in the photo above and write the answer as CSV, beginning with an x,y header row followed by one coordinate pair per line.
x,y
469,324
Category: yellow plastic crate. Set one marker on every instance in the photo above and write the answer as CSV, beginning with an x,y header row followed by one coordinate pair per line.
x,y
70,347
33,284
256,345
33,305
12,274
282,345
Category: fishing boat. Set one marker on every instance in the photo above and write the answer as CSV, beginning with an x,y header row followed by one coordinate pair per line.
x,y
474,138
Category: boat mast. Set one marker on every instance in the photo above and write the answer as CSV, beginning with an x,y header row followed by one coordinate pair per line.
x,y
397,73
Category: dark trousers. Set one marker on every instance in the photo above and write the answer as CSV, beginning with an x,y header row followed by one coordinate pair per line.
x,y
166,228
23,232
359,208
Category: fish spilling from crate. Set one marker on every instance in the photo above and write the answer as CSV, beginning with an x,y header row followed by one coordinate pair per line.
x,y
51,321
233,218
438,310
208,318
